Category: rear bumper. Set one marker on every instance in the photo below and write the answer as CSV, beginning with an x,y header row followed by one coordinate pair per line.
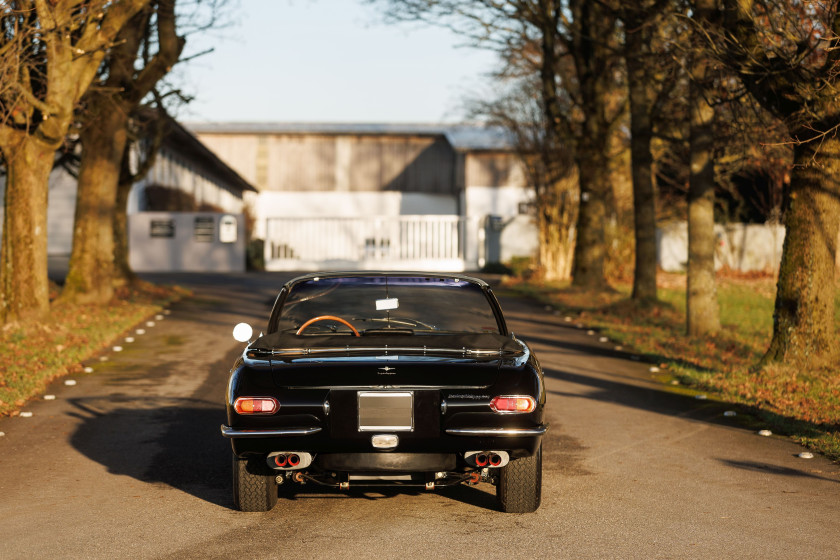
x,y
229,432
518,441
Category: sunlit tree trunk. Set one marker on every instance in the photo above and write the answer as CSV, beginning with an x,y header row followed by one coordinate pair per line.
x,y
555,222
702,313
103,137
552,204
54,50
803,320
23,258
804,93
90,278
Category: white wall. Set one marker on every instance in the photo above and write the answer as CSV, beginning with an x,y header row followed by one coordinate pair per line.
x,y
496,201
61,213
518,236
744,247
183,251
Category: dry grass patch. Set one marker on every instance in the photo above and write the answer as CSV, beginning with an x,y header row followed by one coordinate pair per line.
x,y
32,354
803,404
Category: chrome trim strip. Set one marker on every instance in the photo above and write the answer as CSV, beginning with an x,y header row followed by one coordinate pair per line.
x,y
497,432
229,432
254,353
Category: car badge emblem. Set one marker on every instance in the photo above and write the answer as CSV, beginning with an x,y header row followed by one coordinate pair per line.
x,y
386,371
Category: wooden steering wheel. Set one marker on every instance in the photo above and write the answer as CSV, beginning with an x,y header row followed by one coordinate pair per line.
x,y
326,318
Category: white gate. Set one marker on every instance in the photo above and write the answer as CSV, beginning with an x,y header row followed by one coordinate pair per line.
x,y
423,243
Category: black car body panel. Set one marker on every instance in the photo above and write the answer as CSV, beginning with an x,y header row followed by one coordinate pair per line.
x,y
364,376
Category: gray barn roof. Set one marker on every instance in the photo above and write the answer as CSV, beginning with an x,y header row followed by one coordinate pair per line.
x,y
462,137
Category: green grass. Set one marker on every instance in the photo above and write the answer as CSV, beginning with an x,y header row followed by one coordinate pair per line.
x,y
802,404
32,354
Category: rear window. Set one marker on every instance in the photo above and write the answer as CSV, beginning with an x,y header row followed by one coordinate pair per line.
x,y
402,304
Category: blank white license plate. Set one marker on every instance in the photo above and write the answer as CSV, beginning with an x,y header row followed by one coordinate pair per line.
x,y
386,410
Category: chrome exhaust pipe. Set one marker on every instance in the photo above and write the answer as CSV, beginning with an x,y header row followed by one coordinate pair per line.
x,y
289,460
482,459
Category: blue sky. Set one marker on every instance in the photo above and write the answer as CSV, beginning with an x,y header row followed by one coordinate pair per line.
x,y
329,61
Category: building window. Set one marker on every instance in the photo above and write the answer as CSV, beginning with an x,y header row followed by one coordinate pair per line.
x,y
162,228
203,229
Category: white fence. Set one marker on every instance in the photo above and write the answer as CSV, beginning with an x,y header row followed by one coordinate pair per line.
x,y
423,243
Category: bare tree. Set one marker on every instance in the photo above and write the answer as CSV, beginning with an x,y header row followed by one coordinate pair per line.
x,y
649,75
151,120
50,54
549,168
702,312
787,54
577,57
129,72
592,44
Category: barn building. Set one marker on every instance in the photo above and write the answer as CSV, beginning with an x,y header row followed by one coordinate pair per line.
x,y
197,234
362,196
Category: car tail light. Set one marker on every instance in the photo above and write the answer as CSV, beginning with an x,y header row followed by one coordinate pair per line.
x,y
513,404
256,405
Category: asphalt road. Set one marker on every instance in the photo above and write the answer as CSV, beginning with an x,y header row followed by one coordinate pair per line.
x,y
129,462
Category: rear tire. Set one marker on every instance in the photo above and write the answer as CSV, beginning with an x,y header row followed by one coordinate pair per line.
x,y
520,484
254,485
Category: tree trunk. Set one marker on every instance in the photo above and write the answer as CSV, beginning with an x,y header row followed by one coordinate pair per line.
x,y
641,99
24,285
593,57
553,206
702,314
90,278
590,245
554,221
58,49
803,320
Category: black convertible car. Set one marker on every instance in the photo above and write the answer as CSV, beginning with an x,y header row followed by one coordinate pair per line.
x,y
375,379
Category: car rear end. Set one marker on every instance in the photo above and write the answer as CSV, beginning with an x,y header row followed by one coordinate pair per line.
x,y
387,409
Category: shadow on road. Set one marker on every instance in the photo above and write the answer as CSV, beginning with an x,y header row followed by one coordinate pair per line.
x,y
774,469
635,396
676,405
175,442
473,496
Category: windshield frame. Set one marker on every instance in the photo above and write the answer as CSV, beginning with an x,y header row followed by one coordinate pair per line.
x,y
277,310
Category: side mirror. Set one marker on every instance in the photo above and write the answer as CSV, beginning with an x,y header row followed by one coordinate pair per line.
x,y
243,332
